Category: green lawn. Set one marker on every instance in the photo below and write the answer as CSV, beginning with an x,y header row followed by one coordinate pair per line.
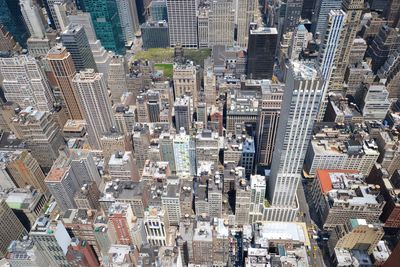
x,y
166,55
157,55
166,68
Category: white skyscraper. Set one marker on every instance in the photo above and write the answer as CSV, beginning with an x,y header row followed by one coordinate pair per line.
x,y
117,77
25,83
93,95
32,17
245,10
336,21
221,23
300,106
128,17
58,10
182,23
299,42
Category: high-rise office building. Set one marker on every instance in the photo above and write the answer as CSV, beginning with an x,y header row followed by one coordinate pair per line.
x,y
26,171
320,21
392,13
117,77
292,15
52,239
96,105
64,71
183,113
25,83
328,52
261,53
384,44
167,149
182,23
76,42
202,25
33,18
268,118
129,20
391,72
300,106
299,42
58,12
308,9
63,184
26,253
10,227
101,56
245,11
158,10
186,79
41,133
141,143
83,165
106,23
155,34
221,23
353,10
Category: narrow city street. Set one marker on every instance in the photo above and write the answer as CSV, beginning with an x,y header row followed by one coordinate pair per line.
x,y
315,254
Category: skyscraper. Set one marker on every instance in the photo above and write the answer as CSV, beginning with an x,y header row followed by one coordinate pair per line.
x,y
183,114
25,83
63,185
64,71
58,12
41,133
261,53
106,23
128,17
245,10
268,118
300,106
320,21
117,77
33,18
221,23
52,239
26,171
384,44
328,53
96,106
182,23
75,40
10,227
292,15
353,10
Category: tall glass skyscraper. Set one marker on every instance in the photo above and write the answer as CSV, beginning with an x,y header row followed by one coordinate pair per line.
x,y
106,23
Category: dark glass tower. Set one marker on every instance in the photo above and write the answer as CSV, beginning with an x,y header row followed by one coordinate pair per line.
x,y
76,42
261,53
11,18
106,23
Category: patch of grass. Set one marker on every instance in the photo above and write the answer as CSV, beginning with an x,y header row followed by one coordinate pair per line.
x,y
167,69
166,55
157,55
